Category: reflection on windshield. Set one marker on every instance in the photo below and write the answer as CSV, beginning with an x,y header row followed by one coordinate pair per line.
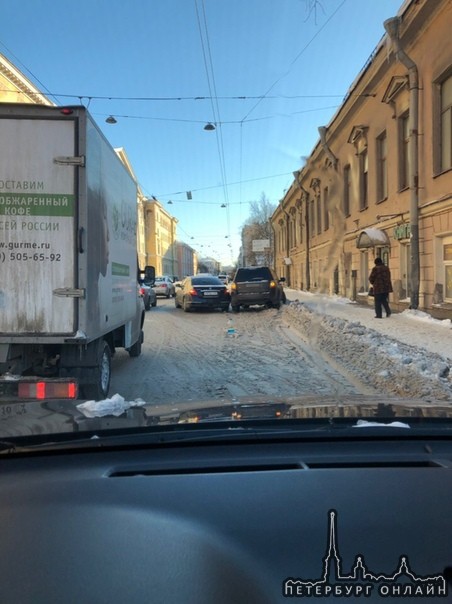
x,y
290,168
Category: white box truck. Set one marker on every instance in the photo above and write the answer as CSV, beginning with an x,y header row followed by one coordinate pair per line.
x,y
68,255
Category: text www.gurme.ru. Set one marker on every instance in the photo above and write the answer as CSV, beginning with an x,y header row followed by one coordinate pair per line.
x,y
16,245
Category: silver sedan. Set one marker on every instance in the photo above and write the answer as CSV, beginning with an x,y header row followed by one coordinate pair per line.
x,y
164,286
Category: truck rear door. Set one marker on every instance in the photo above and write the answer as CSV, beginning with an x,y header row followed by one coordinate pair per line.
x,y
37,224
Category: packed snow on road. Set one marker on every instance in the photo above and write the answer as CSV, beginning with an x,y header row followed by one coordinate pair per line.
x,y
311,346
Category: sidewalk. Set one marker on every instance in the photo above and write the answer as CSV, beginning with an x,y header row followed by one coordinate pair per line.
x,y
411,327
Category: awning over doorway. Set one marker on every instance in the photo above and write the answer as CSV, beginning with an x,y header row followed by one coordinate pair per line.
x,y
372,238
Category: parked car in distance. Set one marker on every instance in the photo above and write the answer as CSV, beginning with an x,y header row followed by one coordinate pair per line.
x,y
149,296
164,286
224,278
202,291
256,285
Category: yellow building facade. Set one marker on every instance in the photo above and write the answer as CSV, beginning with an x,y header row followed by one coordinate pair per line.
x,y
379,181
160,238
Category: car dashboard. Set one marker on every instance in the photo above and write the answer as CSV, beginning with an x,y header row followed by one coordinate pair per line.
x,y
260,520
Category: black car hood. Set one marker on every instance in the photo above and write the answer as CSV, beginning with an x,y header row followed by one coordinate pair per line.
x,y
59,417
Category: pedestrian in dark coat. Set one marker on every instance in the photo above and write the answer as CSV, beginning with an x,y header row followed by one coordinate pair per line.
x,y
380,279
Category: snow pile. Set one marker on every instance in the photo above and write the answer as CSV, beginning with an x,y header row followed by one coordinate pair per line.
x,y
419,315
377,359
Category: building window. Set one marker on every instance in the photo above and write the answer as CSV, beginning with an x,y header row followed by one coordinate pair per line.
x,y
404,140
326,214
311,219
363,179
319,215
446,123
382,171
300,229
405,270
347,189
364,272
447,258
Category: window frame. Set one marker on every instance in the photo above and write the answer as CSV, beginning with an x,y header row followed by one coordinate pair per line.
x,y
446,242
326,213
346,201
438,117
363,158
382,166
404,150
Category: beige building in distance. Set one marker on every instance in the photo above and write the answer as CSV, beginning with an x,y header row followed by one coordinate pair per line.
x,y
379,180
160,238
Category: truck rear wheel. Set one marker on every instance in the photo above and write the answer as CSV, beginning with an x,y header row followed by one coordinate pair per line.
x,y
98,389
135,350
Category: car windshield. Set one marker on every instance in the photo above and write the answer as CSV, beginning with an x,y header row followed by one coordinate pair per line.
x,y
296,152
250,274
206,281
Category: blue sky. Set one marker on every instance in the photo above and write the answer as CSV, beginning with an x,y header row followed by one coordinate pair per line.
x,y
180,50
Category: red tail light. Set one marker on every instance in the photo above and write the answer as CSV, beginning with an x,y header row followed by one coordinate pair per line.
x,y
47,390
193,292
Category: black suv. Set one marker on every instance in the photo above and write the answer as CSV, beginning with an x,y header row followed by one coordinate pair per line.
x,y
256,285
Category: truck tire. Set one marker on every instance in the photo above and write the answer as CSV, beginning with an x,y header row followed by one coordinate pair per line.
x,y
98,390
135,350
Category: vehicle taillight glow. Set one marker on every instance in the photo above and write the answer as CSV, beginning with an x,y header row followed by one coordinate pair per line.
x,y
233,286
272,284
193,292
142,291
47,390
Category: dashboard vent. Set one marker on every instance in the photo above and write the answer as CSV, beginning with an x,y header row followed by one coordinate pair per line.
x,y
375,464
205,470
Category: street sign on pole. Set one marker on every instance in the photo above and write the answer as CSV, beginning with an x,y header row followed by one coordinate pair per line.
x,y
260,245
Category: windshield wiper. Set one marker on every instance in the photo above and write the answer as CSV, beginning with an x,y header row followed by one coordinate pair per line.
x,y
221,431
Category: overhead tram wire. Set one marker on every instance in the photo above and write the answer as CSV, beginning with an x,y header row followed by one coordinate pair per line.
x,y
208,64
94,97
36,79
305,47
237,182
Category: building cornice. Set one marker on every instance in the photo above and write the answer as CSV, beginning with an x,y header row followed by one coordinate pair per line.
x,y
21,84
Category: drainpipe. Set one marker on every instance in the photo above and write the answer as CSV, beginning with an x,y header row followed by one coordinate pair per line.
x,y
274,245
392,28
306,217
287,245
325,147
287,242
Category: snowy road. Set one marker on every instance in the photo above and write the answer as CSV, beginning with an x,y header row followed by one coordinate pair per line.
x,y
306,348
191,356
